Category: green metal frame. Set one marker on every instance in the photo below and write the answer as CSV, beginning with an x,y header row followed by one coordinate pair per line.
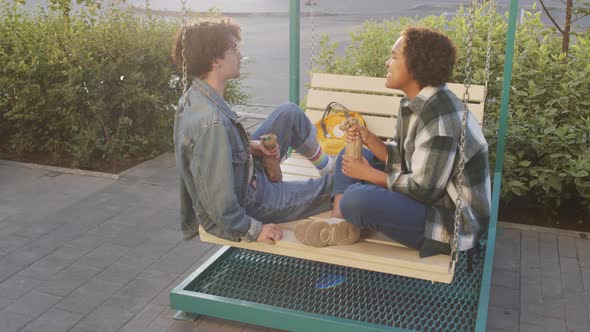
x,y
294,50
256,313
277,317
486,285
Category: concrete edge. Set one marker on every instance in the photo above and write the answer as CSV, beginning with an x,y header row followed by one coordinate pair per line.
x,y
64,170
540,229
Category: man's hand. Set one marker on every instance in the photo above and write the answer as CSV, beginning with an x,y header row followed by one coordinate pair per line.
x,y
258,150
356,169
355,132
270,233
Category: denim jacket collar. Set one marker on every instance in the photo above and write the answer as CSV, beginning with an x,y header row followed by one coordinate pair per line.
x,y
208,91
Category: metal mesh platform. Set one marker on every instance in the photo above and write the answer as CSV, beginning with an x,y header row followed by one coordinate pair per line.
x,y
342,292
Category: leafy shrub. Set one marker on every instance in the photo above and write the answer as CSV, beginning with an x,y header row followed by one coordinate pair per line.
x,y
547,157
91,87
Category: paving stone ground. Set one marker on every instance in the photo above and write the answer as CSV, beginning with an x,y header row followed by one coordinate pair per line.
x,y
88,253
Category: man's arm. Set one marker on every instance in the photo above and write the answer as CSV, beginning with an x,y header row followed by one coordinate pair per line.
x,y
217,192
189,224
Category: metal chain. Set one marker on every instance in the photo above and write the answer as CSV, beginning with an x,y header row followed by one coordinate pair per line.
x,y
312,5
491,11
183,53
460,177
148,8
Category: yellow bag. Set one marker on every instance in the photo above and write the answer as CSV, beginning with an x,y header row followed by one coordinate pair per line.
x,y
331,138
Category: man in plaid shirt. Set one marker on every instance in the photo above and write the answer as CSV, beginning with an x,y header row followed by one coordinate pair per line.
x,y
401,188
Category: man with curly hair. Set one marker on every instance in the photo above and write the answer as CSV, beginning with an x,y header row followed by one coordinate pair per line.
x,y
223,186
401,188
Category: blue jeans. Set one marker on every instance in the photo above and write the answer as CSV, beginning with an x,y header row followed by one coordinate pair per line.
x,y
272,202
368,206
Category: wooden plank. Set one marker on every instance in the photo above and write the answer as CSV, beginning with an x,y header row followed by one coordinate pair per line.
x,y
295,177
296,155
369,104
390,259
476,92
367,235
352,83
300,170
381,126
362,103
298,160
377,85
477,110
379,238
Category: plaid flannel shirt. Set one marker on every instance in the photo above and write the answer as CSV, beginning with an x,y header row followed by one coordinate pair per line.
x,y
427,159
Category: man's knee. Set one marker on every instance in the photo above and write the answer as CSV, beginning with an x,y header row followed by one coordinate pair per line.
x,y
290,109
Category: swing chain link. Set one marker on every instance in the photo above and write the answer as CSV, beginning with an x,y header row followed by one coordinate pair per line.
x,y
466,97
183,53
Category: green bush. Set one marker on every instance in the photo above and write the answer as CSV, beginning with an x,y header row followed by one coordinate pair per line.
x,y
88,89
547,157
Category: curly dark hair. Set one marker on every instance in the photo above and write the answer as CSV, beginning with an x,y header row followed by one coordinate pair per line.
x,y
430,56
206,41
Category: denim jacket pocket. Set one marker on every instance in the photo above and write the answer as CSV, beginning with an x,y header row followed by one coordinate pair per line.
x,y
239,156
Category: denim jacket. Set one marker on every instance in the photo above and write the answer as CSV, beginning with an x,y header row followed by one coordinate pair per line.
x,y
212,152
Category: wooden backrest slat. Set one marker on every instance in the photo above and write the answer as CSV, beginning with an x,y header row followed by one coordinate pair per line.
x,y
369,96
365,84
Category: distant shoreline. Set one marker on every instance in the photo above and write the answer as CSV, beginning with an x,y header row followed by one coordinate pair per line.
x,y
177,13
585,23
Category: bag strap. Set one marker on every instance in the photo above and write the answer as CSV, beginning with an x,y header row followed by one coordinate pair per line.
x,y
327,110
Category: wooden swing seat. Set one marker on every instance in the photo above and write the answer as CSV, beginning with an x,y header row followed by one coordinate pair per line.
x,y
375,252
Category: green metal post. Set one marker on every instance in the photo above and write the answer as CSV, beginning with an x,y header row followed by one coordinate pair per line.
x,y
491,243
294,51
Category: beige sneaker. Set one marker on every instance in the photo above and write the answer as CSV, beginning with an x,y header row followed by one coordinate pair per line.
x,y
332,231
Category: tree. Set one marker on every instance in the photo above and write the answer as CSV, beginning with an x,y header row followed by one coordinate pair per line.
x,y
572,14
66,6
